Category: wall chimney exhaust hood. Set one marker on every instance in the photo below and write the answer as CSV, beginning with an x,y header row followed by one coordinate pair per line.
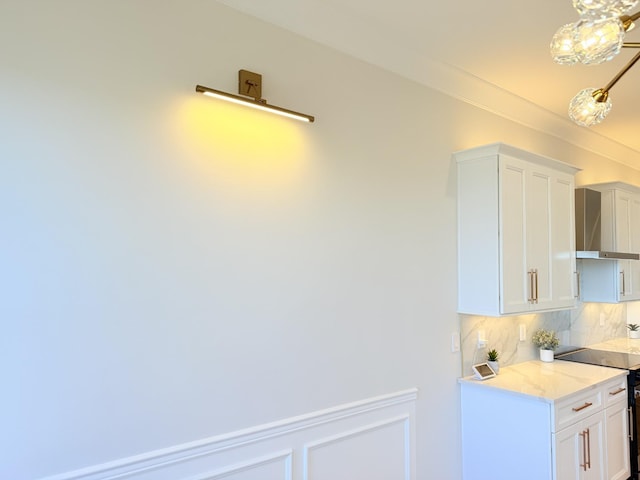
x,y
588,228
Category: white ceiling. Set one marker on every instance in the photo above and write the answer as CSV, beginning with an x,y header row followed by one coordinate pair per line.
x,y
493,53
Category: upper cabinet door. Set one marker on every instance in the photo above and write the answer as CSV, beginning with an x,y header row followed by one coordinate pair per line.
x,y
634,247
516,234
563,239
516,289
539,245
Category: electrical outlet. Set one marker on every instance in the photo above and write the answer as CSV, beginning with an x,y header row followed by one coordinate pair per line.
x,y
523,332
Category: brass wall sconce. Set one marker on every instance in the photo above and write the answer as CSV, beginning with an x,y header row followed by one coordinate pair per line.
x,y
250,95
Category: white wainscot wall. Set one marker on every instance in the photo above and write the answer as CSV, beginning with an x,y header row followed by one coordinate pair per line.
x,y
372,439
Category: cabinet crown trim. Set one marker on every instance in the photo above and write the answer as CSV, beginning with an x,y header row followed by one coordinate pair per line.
x,y
505,149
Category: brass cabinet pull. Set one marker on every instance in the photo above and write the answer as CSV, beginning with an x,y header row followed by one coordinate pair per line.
x,y
622,283
577,284
589,447
530,274
533,285
616,392
631,423
586,405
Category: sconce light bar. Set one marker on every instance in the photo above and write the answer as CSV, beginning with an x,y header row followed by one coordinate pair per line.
x,y
247,82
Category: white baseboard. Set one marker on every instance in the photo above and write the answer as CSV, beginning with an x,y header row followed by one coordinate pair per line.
x,y
372,438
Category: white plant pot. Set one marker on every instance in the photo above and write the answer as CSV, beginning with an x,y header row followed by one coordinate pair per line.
x,y
495,366
546,355
634,333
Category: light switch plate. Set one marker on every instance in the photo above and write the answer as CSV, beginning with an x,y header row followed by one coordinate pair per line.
x,y
482,339
455,342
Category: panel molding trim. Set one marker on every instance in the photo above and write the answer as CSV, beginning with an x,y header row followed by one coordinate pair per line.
x,y
403,421
255,447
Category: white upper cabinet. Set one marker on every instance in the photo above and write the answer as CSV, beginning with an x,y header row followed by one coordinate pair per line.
x,y
614,281
516,232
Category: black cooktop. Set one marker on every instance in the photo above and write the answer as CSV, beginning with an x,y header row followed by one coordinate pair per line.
x,y
626,361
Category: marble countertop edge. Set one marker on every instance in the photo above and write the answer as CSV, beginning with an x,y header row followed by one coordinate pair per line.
x,y
549,382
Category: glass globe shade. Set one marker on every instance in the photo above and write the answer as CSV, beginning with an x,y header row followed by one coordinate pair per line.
x,y
598,40
586,111
563,45
604,8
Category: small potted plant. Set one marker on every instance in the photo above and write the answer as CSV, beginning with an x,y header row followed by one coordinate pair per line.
x,y
634,330
492,360
547,341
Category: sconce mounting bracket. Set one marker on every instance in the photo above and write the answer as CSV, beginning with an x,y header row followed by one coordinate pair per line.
x,y
250,84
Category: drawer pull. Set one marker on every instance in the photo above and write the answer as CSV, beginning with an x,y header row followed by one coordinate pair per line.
x,y
586,405
616,392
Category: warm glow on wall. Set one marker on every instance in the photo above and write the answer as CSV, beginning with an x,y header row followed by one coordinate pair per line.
x,y
245,146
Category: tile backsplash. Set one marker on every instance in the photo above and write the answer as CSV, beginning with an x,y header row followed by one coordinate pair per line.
x,y
589,323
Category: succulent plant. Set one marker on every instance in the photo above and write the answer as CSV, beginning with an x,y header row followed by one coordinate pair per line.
x,y
492,355
634,327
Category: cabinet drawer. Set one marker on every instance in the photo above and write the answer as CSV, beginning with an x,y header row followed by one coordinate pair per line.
x,y
615,391
578,406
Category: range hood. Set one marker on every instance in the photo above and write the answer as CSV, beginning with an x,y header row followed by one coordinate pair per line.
x,y
588,228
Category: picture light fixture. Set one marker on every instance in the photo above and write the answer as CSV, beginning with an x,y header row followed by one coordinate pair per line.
x,y
250,95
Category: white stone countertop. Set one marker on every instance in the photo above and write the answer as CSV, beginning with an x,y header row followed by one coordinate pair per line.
x,y
549,382
623,344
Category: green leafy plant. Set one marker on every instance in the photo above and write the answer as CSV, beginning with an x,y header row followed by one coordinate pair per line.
x,y
545,339
492,355
634,327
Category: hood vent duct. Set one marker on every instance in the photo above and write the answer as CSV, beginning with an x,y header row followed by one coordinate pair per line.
x,y
588,228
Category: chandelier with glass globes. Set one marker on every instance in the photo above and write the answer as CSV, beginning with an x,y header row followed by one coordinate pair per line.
x,y
597,37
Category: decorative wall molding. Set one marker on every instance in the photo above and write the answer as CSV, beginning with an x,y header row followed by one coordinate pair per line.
x,y
283,460
404,439
249,453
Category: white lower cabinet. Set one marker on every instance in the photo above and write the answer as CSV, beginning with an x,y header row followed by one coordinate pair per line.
x,y
616,423
583,436
579,450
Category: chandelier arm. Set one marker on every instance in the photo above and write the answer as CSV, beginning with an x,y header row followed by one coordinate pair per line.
x,y
635,16
619,75
627,21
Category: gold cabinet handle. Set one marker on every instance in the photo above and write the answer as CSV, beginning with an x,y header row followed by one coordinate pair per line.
x,y
586,405
535,273
530,274
589,447
583,434
622,283
631,423
616,392
577,284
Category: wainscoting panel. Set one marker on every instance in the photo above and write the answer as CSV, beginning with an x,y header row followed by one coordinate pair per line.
x,y
371,439
380,451
275,467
